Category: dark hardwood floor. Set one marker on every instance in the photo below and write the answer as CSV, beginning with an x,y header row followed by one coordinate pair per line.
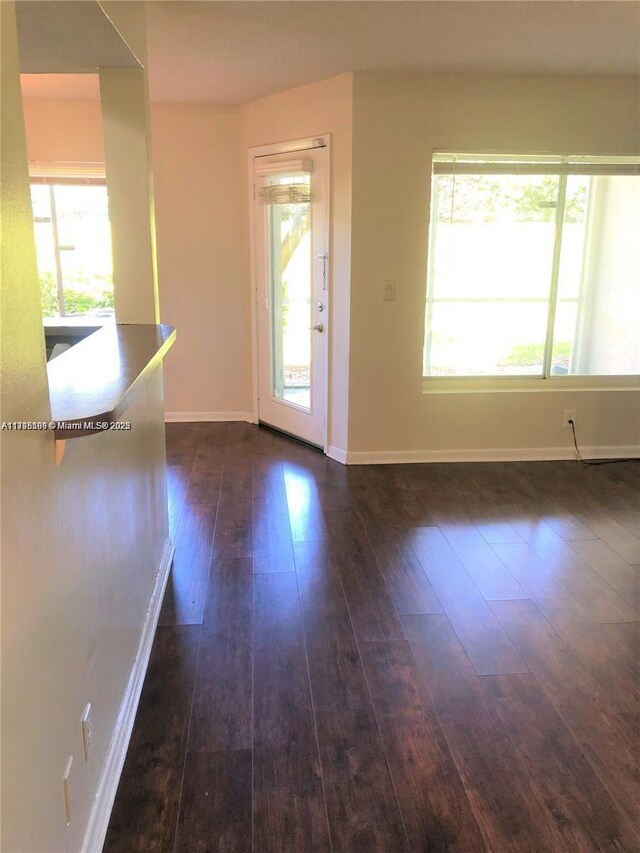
x,y
380,659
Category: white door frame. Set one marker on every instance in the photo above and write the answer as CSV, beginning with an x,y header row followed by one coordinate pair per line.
x,y
321,140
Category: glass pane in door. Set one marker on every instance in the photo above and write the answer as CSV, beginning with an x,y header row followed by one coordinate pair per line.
x,y
290,287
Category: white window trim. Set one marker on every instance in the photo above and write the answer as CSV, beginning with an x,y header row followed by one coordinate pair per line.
x,y
444,163
532,164
511,384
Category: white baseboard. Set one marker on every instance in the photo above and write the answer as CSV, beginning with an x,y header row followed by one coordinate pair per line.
x,y
213,417
624,451
108,784
520,454
337,453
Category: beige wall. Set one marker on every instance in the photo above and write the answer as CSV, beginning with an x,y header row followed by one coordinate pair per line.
x,y
64,131
201,226
81,545
124,101
201,197
307,111
376,393
200,187
75,131
613,277
397,123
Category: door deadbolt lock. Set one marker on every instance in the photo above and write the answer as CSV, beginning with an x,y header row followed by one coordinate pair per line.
x,y
320,307
317,327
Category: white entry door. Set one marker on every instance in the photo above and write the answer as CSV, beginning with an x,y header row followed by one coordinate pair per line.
x,y
290,206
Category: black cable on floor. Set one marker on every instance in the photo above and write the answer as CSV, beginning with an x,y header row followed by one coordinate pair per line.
x,y
595,461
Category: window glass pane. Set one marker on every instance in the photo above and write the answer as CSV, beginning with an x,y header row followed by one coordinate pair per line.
x,y
84,238
290,279
574,233
40,201
486,339
45,253
564,337
494,236
605,340
492,246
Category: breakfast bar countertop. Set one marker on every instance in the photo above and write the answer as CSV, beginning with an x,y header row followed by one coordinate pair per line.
x,y
93,383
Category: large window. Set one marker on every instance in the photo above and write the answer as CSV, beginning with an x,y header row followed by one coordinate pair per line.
x,y
534,267
73,246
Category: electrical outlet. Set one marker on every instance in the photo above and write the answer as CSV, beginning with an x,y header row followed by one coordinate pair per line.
x,y
86,732
66,790
569,415
388,290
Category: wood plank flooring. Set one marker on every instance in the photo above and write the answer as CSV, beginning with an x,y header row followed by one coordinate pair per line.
x,y
388,659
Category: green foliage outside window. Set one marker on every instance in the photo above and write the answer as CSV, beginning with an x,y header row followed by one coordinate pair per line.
x,y
469,198
524,355
95,295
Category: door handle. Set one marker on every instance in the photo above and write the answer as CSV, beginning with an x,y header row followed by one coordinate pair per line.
x,y
318,327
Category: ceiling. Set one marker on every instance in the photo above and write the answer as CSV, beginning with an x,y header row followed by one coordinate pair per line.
x,y
234,52
69,36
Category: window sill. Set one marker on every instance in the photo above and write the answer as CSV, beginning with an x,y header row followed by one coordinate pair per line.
x,y
519,384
